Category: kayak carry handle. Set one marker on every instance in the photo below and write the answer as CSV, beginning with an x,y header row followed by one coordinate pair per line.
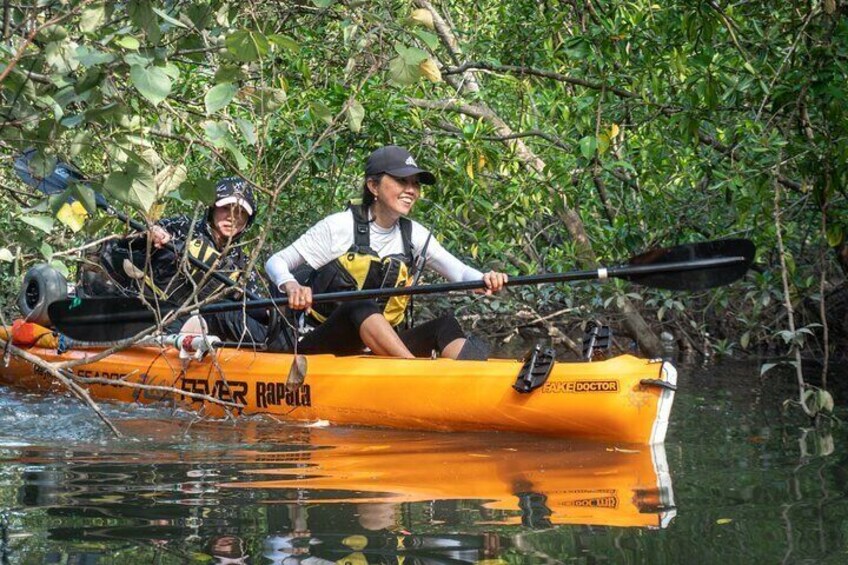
x,y
537,366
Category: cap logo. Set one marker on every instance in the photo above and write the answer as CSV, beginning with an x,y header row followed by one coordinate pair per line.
x,y
410,161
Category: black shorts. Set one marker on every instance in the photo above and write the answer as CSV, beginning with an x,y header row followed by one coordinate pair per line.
x,y
339,334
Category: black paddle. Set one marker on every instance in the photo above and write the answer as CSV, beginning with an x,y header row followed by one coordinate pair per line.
x,y
58,181
694,266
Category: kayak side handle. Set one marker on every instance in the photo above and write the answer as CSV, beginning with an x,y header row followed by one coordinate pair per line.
x,y
658,382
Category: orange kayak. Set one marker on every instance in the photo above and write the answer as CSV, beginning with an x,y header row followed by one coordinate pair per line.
x,y
623,399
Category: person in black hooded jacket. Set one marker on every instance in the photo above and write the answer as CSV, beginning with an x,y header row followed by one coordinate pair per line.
x,y
144,264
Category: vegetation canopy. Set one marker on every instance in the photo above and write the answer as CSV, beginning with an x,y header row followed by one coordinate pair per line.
x,y
563,135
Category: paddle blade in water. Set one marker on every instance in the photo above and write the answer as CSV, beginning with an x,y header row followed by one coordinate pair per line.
x,y
698,278
101,319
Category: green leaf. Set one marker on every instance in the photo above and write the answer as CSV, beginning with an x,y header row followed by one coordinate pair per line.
x,y
215,131
402,74
219,135
43,223
588,145
62,56
431,40
172,71
412,55
174,22
92,18
603,143
152,82
355,115
247,129
824,401
247,45
85,195
835,236
90,57
134,186
6,255
61,267
170,179
284,42
404,69
766,367
46,250
265,99
323,3
42,165
219,96
321,111
199,190
228,73
94,226
128,42
142,15
133,59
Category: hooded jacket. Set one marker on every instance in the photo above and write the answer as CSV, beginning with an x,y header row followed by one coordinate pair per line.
x,y
164,274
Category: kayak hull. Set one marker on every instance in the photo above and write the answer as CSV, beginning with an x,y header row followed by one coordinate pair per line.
x,y
624,399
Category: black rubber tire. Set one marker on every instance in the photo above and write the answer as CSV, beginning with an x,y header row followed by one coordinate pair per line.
x,y
42,286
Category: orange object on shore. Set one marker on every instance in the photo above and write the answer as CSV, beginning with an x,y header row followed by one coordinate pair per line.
x,y
624,399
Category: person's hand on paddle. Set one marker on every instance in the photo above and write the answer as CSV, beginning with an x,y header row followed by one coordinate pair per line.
x,y
300,297
159,236
495,282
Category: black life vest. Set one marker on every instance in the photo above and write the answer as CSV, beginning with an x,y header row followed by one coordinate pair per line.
x,y
163,277
360,267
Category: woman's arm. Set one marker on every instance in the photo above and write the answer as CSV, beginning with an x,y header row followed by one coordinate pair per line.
x,y
280,266
443,262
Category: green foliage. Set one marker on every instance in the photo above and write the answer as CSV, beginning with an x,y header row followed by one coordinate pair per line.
x,y
684,116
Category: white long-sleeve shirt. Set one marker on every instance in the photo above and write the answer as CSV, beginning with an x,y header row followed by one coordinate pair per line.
x,y
330,238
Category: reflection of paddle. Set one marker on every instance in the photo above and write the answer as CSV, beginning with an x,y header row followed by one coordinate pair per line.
x,y
60,181
692,266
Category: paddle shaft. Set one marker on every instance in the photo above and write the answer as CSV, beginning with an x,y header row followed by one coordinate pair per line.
x,y
625,271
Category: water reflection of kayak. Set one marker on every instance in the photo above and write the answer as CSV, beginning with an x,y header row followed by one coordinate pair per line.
x,y
532,482
623,399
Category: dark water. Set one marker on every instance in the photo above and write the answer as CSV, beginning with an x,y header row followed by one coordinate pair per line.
x,y
736,482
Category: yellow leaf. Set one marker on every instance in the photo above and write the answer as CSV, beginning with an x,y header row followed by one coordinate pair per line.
x,y
723,521
156,212
423,17
429,69
481,162
474,250
353,559
614,131
72,215
469,169
356,542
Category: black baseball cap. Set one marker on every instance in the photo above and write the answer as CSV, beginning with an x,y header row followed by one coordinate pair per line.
x,y
234,190
398,162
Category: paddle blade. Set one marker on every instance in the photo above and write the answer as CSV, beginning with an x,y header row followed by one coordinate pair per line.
x,y
699,278
56,182
101,319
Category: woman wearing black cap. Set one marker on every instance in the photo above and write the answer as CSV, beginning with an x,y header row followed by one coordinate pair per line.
x,y
163,274
374,245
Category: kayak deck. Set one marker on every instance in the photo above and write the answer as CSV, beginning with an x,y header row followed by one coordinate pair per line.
x,y
624,399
